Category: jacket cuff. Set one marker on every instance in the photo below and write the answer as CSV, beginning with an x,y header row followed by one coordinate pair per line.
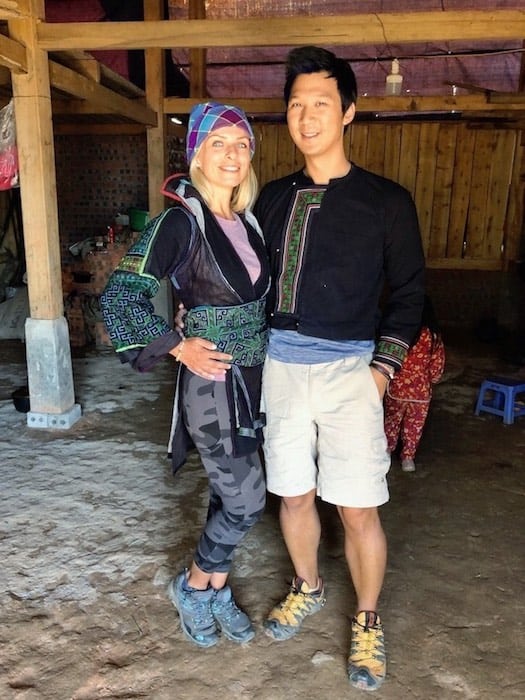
x,y
391,351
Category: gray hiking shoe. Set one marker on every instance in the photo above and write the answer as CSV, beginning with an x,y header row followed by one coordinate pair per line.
x,y
194,608
231,620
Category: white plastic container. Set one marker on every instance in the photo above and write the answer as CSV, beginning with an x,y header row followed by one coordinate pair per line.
x,y
394,80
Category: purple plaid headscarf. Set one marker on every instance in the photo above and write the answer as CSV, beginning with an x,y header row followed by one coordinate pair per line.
x,y
208,116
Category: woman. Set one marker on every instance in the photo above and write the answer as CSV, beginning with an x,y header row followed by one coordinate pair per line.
x,y
210,246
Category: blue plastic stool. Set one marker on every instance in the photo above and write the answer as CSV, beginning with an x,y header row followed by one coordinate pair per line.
x,y
497,395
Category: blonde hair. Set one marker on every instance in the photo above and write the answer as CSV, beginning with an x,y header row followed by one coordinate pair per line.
x,y
243,196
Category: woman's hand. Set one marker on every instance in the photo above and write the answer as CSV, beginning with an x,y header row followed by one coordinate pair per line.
x,y
202,358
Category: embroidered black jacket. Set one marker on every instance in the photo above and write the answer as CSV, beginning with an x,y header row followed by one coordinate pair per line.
x,y
334,250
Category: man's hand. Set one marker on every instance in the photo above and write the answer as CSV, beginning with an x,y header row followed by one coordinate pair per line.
x,y
381,382
179,319
201,357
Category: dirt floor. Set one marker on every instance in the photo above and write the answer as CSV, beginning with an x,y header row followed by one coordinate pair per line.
x,y
92,527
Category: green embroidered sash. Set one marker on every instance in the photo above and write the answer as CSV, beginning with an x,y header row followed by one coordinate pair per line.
x,y
238,330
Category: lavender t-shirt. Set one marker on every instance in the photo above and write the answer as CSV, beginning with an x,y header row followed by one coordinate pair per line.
x,y
238,237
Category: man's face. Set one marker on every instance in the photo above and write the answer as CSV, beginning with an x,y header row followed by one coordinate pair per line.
x,y
315,116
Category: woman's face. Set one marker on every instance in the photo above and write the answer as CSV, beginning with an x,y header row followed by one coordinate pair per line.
x,y
224,157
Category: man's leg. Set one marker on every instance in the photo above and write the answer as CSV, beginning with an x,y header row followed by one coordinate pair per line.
x,y
301,530
290,451
365,551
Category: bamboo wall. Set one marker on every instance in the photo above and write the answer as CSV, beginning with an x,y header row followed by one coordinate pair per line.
x,y
467,183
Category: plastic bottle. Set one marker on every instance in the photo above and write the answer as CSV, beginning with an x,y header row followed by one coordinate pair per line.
x,y
394,80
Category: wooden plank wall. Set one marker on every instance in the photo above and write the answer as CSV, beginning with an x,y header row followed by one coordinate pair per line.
x,y
468,183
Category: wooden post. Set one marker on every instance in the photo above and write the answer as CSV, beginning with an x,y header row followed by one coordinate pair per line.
x,y
34,131
155,93
49,369
197,10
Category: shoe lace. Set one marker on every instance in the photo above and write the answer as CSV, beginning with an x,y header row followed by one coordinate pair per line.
x,y
200,610
296,600
367,646
227,609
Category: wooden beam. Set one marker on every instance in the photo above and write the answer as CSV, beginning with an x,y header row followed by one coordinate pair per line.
x,y
506,98
117,82
87,65
97,129
12,55
348,30
251,105
79,61
465,264
466,86
9,9
71,107
448,104
72,83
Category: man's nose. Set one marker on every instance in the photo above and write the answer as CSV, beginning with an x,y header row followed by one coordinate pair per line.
x,y
306,114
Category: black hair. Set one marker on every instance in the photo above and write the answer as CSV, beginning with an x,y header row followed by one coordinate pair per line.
x,y
313,59
428,320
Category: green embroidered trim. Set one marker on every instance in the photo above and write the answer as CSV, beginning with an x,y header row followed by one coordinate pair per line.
x,y
392,349
305,201
136,258
238,330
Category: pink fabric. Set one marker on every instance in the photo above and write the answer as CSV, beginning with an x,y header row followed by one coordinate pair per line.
x,y
236,234
409,393
404,422
78,11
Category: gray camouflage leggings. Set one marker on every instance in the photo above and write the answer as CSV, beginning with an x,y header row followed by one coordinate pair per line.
x,y
237,484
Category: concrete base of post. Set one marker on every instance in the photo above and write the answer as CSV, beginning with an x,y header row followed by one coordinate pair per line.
x,y
50,374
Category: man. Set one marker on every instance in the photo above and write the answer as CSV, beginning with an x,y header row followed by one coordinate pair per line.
x,y
335,234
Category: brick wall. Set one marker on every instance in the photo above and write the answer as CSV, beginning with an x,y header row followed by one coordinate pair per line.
x,y
97,178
